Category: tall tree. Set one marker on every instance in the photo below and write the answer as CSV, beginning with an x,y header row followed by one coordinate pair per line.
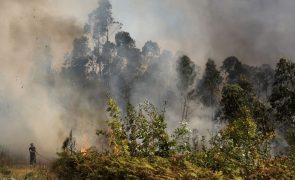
x,y
160,141
233,68
282,98
263,79
209,86
76,64
116,133
124,40
127,50
101,25
151,49
235,97
132,129
100,20
186,74
112,64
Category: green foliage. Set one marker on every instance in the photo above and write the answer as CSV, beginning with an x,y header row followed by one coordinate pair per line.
x,y
116,134
160,139
186,73
264,76
239,149
141,133
182,136
234,98
283,94
142,149
209,88
131,128
4,170
94,165
234,69
246,85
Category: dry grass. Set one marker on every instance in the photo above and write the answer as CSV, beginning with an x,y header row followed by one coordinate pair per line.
x,y
40,172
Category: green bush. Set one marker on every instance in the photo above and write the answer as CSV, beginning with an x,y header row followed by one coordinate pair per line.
x,y
140,148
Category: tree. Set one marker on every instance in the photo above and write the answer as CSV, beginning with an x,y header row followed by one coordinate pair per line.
x,y
234,69
264,78
69,144
160,144
100,26
123,40
151,49
182,136
132,129
76,64
112,64
282,98
233,98
209,86
133,59
186,78
81,48
101,20
186,74
246,85
239,148
116,133
144,134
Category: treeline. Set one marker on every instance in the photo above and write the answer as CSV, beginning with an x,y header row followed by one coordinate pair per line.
x,y
139,146
97,66
254,103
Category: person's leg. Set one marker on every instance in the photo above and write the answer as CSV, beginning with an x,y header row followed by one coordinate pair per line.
x,y
35,160
31,160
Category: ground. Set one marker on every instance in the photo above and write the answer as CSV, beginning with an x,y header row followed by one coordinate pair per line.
x,y
40,172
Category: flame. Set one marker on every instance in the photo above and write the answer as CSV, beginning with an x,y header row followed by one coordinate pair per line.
x,y
85,144
83,150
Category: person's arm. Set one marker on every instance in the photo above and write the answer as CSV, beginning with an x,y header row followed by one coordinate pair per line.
x,y
32,150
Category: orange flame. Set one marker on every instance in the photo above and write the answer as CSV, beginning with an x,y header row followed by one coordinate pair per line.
x,y
83,150
85,144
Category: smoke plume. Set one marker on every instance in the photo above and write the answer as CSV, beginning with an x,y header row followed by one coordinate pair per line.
x,y
34,40
256,31
35,36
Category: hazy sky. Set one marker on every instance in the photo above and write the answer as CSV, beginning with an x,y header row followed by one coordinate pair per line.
x,y
257,31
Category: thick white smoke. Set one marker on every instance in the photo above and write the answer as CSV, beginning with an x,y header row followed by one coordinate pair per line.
x,y
35,35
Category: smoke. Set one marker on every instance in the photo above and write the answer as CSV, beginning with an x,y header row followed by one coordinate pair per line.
x,y
256,31
35,35
34,40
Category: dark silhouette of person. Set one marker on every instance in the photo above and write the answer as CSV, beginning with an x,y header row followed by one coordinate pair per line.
x,y
32,150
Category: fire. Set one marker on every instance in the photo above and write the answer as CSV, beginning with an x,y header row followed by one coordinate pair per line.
x,y
83,150
85,144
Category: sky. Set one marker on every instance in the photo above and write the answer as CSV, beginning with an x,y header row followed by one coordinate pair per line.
x,y
256,31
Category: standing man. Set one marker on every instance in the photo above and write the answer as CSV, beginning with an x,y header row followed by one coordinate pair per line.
x,y
32,150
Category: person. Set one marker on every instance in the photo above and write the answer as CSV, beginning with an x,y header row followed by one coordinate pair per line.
x,y
33,151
